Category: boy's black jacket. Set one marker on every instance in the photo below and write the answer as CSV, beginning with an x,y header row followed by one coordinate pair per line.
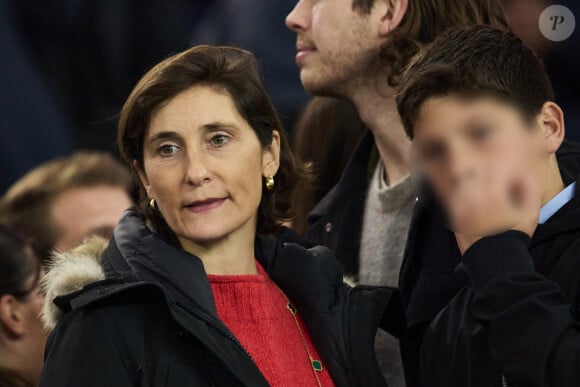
x,y
152,321
517,316
427,279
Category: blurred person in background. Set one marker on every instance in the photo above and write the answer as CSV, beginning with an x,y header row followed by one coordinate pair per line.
x,y
325,136
62,202
356,50
22,337
561,58
194,290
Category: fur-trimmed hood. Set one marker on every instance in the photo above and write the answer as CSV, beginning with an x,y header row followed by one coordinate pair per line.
x,y
69,272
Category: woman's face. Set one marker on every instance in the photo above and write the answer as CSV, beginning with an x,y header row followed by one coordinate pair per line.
x,y
204,166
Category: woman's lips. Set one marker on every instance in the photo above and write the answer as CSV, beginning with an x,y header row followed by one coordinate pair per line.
x,y
205,205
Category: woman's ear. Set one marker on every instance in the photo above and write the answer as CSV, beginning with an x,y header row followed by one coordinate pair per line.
x,y
144,180
271,156
551,121
11,315
391,14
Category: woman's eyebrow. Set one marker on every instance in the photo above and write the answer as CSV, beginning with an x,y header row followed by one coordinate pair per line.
x,y
217,125
163,136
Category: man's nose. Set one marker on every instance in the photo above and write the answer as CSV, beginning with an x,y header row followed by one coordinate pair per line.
x,y
297,19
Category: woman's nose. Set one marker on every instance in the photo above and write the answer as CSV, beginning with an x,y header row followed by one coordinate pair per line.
x,y
197,171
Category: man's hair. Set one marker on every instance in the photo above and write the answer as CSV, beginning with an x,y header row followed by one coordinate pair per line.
x,y
26,206
471,62
427,19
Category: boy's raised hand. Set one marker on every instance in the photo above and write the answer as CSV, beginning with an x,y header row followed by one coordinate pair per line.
x,y
491,200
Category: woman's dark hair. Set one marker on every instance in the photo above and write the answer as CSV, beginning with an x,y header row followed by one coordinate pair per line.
x,y
18,264
474,61
226,69
325,136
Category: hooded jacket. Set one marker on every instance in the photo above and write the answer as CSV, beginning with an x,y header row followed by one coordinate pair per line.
x,y
427,278
516,321
150,319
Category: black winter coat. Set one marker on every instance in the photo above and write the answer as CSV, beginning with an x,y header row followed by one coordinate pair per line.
x,y
152,321
427,279
516,322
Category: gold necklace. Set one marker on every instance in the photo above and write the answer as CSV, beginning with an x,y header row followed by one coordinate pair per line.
x,y
315,364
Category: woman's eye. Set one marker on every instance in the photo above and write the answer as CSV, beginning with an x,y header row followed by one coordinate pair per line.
x,y
168,149
219,140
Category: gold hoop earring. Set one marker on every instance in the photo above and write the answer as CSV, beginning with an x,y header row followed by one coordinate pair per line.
x,y
270,183
152,204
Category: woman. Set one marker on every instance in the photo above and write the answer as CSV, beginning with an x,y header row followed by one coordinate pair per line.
x,y
192,291
326,135
22,336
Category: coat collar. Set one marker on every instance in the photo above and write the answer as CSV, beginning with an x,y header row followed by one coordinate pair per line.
x,y
353,181
311,278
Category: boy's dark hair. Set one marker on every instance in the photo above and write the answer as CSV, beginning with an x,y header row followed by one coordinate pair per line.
x,y
474,61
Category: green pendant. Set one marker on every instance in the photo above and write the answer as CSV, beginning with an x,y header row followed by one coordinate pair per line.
x,y
317,365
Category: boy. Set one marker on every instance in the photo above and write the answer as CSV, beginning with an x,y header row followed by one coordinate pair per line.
x,y
479,108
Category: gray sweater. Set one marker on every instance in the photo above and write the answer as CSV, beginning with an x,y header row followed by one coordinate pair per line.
x,y
386,223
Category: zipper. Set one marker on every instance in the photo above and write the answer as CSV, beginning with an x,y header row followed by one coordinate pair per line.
x,y
224,332
503,381
230,337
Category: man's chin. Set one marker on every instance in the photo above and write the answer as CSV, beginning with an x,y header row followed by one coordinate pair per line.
x,y
318,86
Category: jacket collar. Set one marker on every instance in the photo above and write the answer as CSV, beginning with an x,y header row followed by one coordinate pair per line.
x,y
353,181
310,278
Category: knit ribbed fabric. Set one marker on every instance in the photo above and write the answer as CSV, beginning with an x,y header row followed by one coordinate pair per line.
x,y
256,312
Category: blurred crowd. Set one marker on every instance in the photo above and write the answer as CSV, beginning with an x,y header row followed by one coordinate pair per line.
x,y
68,67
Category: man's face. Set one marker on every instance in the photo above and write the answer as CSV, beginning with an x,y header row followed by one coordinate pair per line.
x,y
81,212
336,45
455,138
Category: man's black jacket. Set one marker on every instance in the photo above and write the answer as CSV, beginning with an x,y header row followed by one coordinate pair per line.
x,y
427,279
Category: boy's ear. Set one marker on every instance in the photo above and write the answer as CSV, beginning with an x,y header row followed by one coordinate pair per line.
x,y
11,315
143,178
551,121
392,12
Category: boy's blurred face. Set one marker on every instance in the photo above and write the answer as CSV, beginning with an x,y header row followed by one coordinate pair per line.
x,y
455,138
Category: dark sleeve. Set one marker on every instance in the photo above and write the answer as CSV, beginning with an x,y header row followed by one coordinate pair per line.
x,y
86,350
533,334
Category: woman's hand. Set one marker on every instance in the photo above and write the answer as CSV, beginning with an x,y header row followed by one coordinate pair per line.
x,y
491,201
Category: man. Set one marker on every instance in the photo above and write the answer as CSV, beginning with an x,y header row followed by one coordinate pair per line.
x,y
62,202
356,50
479,107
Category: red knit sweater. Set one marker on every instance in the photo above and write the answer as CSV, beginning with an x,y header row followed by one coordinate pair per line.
x,y
256,312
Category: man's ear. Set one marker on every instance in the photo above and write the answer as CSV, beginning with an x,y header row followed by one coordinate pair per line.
x,y
391,14
11,316
271,156
144,180
551,121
